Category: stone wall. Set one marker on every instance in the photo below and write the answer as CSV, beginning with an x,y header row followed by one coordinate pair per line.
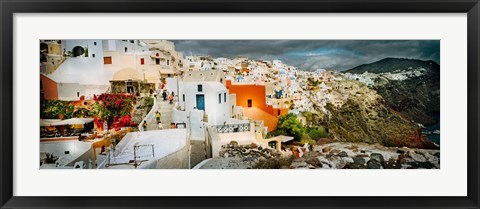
x,y
177,160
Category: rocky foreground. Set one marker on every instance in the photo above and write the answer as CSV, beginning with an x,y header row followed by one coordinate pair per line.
x,y
325,155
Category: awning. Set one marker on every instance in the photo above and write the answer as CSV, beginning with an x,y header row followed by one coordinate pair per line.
x,y
286,138
48,122
73,121
167,71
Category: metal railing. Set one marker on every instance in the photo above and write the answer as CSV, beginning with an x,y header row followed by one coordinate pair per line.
x,y
232,128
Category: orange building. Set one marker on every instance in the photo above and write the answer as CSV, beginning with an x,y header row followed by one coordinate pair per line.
x,y
48,88
253,99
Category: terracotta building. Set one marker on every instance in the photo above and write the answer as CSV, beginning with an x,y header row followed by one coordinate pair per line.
x,y
253,99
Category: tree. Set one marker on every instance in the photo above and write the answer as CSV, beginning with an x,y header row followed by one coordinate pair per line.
x,y
290,126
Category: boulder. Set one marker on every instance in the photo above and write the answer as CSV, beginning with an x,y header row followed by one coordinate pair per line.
x,y
326,149
391,164
314,161
342,154
374,164
359,160
377,156
417,157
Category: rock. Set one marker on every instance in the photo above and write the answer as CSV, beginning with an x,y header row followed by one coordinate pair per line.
x,y
417,157
374,164
342,154
359,160
348,160
377,156
260,148
338,162
326,149
314,161
437,154
335,151
402,159
233,143
362,155
362,151
352,147
262,158
253,145
427,165
298,164
391,164
400,151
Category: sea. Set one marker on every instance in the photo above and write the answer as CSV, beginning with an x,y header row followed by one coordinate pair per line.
x,y
434,137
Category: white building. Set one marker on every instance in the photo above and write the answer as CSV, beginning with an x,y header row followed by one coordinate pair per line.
x,y
205,90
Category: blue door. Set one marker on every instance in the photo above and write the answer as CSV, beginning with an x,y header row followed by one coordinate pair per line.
x,y
200,102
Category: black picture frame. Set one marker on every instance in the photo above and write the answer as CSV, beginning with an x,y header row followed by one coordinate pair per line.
x,y
10,7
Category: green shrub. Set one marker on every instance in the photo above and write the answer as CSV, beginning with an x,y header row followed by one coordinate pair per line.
x,y
306,139
149,103
317,132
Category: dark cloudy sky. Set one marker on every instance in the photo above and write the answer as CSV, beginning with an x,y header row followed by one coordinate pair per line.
x,y
314,54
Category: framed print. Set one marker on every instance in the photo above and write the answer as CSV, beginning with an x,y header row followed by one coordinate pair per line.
x,y
196,104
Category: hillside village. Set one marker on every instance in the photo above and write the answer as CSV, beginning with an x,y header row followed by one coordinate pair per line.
x,y
140,104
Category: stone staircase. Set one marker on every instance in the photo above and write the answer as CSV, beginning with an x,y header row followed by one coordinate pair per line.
x,y
165,108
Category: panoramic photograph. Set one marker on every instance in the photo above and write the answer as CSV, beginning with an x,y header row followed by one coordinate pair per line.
x,y
239,104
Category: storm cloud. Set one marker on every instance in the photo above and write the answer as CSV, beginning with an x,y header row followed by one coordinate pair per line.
x,y
314,54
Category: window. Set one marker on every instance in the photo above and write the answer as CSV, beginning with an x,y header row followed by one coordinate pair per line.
x,y
78,94
157,55
219,98
168,62
94,43
107,60
249,103
126,49
93,55
200,88
225,97
142,61
272,144
183,97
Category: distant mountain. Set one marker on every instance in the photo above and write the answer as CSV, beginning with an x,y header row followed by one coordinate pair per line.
x,y
417,97
392,64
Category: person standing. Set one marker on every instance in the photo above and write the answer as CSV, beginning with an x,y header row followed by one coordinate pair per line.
x,y
170,98
158,115
164,95
145,125
160,126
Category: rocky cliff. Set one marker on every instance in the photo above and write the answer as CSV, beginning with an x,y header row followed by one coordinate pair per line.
x,y
413,95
